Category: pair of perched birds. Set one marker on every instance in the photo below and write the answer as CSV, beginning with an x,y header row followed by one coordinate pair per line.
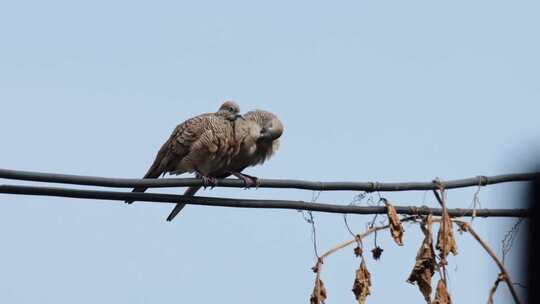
x,y
217,145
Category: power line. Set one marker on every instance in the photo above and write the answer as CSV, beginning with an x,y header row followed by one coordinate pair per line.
x,y
265,183
251,203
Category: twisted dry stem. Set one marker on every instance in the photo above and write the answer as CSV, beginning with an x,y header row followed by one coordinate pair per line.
x,y
504,273
359,237
494,288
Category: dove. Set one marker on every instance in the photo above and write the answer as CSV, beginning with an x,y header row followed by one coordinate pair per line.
x,y
258,136
255,151
202,144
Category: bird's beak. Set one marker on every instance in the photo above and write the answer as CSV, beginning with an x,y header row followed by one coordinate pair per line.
x,y
238,116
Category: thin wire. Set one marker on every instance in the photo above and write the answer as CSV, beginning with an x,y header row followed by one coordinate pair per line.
x,y
355,201
424,197
308,217
475,204
509,238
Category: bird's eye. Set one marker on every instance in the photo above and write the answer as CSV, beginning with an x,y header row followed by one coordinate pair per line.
x,y
231,109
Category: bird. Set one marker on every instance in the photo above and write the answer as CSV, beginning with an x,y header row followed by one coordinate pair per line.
x,y
202,144
261,149
258,136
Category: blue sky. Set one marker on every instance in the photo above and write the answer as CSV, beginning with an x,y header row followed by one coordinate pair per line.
x,y
367,90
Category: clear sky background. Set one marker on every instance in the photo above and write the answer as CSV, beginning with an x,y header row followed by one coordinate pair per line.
x,y
367,90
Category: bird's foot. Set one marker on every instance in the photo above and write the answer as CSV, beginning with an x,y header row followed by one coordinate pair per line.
x,y
207,181
249,181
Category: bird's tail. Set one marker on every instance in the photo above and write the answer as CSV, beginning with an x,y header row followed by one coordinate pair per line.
x,y
179,206
141,189
153,172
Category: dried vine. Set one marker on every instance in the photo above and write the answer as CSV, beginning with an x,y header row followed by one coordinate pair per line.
x,y
442,295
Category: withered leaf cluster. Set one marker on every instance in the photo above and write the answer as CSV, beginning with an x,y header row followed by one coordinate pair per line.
x,y
396,229
425,262
441,295
445,237
362,283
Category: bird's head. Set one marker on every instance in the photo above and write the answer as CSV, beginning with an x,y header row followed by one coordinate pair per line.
x,y
271,126
230,110
272,129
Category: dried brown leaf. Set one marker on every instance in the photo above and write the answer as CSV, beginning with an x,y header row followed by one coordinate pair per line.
x,y
396,229
362,283
425,262
441,295
318,296
445,237
319,292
